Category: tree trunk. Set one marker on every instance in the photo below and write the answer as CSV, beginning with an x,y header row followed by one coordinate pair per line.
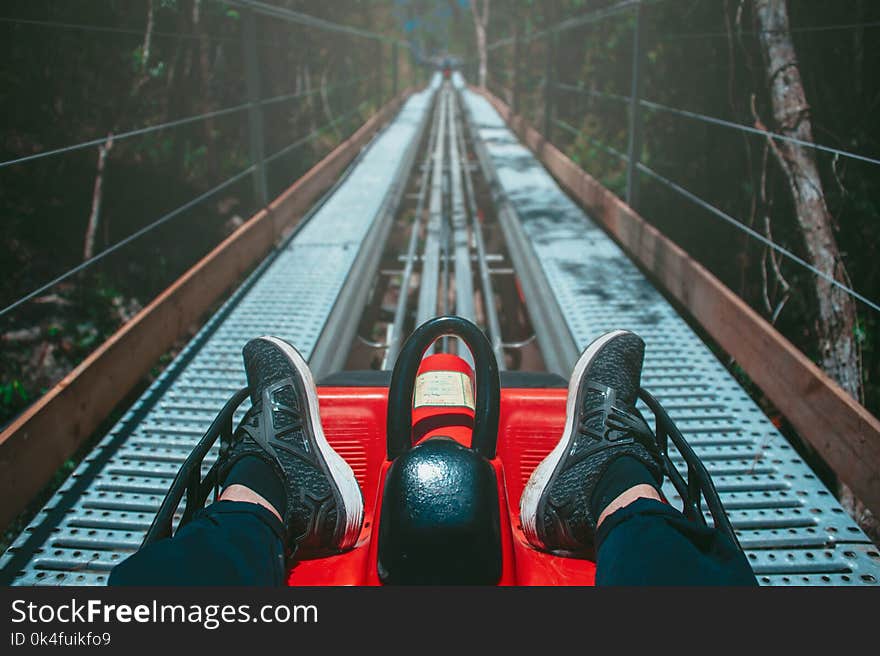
x,y
836,309
97,198
325,103
147,47
179,93
146,51
481,21
205,88
516,90
313,121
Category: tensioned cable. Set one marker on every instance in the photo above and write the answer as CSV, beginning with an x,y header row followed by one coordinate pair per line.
x,y
126,135
592,92
311,21
795,30
600,14
314,133
90,27
127,240
304,94
592,17
757,235
172,124
608,149
577,21
764,133
524,77
497,44
279,12
721,122
728,218
167,217
504,72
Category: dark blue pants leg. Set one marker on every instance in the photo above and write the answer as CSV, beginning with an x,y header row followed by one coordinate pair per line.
x,y
235,543
227,543
651,543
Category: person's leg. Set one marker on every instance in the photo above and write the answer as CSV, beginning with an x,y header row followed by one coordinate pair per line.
x,y
227,543
285,489
240,540
647,542
598,493
643,541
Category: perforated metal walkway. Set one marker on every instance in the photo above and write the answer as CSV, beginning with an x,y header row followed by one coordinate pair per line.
x,y
792,528
103,510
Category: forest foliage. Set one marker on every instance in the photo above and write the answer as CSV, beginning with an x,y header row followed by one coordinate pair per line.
x,y
82,70
705,57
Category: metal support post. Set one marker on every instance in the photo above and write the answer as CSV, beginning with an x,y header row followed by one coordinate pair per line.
x,y
414,68
550,86
380,74
395,54
255,111
634,147
517,65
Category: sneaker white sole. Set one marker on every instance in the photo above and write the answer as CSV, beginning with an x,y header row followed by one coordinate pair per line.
x,y
341,473
540,478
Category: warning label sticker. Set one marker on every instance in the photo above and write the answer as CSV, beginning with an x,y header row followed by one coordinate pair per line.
x,y
443,388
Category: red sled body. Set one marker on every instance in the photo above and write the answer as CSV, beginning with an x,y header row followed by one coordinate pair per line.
x,y
442,452
531,421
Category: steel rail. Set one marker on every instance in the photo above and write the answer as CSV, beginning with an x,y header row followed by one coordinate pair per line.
x,y
430,275
555,339
445,236
395,338
461,243
741,448
464,286
26,563
328,356
491,312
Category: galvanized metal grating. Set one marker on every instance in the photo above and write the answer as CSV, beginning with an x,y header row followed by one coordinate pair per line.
x,y
792,528
102,511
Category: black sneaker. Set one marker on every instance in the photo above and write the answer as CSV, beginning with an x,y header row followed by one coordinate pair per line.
x,y
601,425
324,502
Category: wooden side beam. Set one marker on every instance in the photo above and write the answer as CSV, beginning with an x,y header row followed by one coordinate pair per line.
x,y
37,443
844,433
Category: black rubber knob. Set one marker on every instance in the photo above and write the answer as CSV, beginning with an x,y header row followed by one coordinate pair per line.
x,y
403,379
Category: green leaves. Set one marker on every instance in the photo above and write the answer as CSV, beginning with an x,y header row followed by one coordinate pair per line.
x,y
158,70
11,391
860,333
137,59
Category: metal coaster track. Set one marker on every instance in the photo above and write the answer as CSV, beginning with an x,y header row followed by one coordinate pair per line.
x,y
575,281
